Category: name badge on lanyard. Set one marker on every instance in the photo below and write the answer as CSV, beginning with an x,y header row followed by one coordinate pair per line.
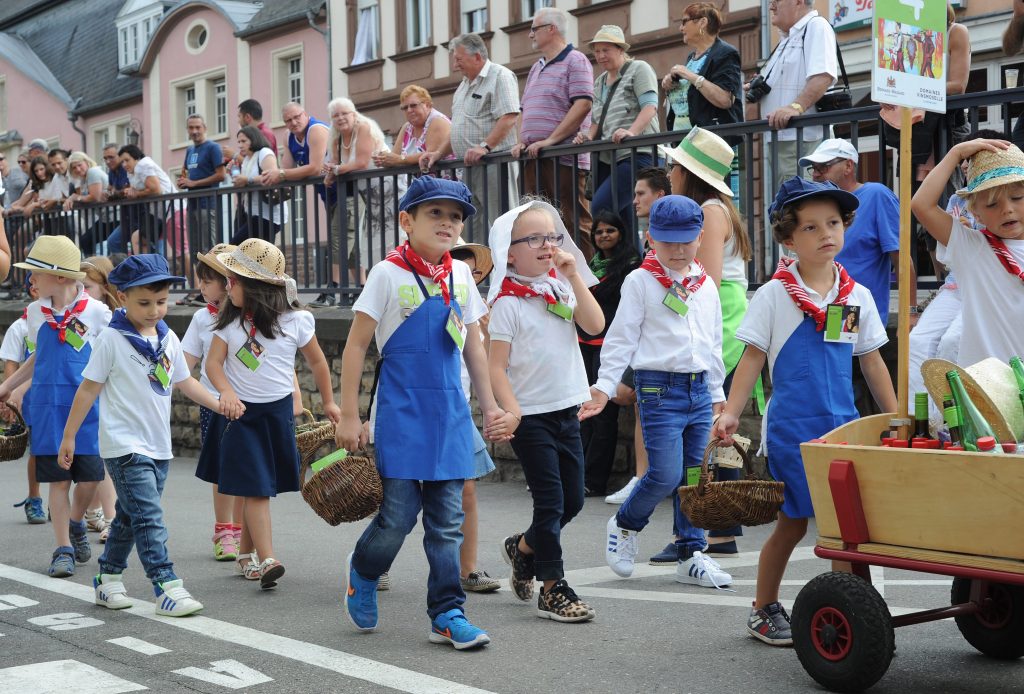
x,y
74,334
251,354
676,298
562,310
159,372
842,323
455,328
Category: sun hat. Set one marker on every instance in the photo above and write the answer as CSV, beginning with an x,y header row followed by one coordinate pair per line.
x,y
262,261
991,169
210,258
54,255
675,219
481,254
796,189
609,33
706,156
141,269
427,188
991,387
832,148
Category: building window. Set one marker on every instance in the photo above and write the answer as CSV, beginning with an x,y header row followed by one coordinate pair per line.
x,y
125,53
367,42
3,105
530,7
204,94
474,16
417,23
190,101
287,79
196,37
220,107
102,137
295,79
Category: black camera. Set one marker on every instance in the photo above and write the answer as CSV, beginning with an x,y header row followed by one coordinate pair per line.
x,y
758,89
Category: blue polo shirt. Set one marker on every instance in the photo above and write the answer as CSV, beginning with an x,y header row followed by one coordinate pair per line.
x,y
874,234
118,178
202,161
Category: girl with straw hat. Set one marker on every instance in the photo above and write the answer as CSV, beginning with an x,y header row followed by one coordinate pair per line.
x,y
252,362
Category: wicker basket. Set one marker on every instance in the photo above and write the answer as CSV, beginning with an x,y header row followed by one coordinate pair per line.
x,y
346,491
723,505
311,436
13,447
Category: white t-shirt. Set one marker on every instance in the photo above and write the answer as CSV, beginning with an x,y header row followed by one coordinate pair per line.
x,y
13,346
197,341
135,418
146,167
993,299
95,317
545,366
275,377
251,168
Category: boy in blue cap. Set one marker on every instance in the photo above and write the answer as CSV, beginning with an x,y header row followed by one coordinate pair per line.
x,y
422,309
135,362
668,329
795,322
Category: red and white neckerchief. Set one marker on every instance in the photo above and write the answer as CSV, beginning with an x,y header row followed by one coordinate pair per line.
x,y
690,283
70,315
24,314
799,296
1006,258
405,257
510,287
214,309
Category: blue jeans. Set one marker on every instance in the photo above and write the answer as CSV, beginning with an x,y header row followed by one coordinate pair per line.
x,y
116,242
621,203
139,482
442,537
675,419
550,450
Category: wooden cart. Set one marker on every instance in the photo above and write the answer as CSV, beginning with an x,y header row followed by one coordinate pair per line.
x,y
949,513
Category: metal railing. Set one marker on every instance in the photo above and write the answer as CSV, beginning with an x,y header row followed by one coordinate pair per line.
x,y
359,214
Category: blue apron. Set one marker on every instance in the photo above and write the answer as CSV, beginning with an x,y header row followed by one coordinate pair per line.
x,y
812,394
55,380
423,428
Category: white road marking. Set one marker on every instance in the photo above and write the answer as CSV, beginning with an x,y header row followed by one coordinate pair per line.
x,y
139,646
878,579
887,582
61,676
10,602
65,621
226,673
343,663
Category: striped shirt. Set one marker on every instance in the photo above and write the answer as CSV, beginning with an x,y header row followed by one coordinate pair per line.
x,y
478,104
552,87
626,104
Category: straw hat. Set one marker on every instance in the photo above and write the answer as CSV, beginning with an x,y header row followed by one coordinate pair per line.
x,y
706,156
256,259
210,258
991,169
54,255
482,255
990,385
609,33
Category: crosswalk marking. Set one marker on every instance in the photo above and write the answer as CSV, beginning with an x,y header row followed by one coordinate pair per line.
x,y
53,677
138,645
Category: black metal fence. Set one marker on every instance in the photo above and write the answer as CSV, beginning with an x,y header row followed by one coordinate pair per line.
x,y
335,234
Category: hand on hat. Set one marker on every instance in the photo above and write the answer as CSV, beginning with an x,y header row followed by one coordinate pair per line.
x,y
966,150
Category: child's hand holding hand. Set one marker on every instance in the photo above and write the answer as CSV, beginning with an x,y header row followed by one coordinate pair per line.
x,y
230,406
66,454
333,412
349,433
724,427
598,400
500,425
565,263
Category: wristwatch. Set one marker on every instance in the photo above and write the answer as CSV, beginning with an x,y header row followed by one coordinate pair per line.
x,y
797,107
485,146
699,82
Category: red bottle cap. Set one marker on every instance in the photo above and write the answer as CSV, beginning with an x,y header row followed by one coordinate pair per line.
x,y
900,443
1009,448
986,443
887,441
919,444
955,448
918,439
934,444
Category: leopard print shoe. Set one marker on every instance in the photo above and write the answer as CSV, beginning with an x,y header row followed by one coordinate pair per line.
x,y
563,605
521,580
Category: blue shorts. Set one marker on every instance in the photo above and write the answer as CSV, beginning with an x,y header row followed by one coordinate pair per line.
x,y
84,468
483,465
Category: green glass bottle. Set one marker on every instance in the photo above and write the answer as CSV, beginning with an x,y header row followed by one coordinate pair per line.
x,y
952,417
921,429
1018,372
972,425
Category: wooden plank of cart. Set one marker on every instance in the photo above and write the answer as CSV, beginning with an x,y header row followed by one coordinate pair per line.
x,y
956,514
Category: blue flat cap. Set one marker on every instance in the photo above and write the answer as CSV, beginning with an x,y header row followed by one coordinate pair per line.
x,y
796,189
427,188
138,270
675,219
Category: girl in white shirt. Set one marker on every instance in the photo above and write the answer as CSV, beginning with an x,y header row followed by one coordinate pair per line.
x,y
256,217
252,361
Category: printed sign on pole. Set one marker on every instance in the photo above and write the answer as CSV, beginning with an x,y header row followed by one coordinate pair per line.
x,y
850,14
910,54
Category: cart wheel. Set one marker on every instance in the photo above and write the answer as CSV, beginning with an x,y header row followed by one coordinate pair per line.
x,y
842,632
997,630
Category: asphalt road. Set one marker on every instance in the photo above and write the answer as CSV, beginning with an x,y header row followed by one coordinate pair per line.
x,y
651,634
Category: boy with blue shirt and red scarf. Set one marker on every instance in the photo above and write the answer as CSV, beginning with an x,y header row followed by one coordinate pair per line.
x,y
422,309
796,323
134,365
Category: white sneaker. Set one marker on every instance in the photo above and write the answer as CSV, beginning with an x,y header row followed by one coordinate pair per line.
x,y
620,496
110,592
703,571
621,548
175,601
94,520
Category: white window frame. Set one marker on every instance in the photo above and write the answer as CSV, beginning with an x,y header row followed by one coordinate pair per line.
x,y
205,104
280,86
530,7
122,45
295,79
373,31
113,130
470,10
220,108
417,24
3,104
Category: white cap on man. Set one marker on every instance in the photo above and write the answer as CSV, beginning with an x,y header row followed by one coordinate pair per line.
x,y
829,150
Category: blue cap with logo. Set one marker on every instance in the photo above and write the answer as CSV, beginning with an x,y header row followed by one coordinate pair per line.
x,y
427,188
138,270
796,189
675,219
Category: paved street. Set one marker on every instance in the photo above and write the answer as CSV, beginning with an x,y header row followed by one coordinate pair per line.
x,y
651,634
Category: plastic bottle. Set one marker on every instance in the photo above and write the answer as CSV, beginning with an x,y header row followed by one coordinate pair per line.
x,y
972,425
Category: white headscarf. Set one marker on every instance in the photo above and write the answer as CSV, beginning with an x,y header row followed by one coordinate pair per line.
x,y
501,236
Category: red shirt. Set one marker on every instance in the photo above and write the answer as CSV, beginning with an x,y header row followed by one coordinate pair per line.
x,y
269,134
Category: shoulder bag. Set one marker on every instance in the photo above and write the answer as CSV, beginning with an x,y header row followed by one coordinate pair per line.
x,y
588,184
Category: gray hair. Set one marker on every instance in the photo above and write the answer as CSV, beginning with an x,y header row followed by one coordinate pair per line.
x,y
557,17
196,116
111,145
471,43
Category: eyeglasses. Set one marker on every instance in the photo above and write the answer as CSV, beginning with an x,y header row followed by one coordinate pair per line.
x,y
23,161
406,107
537,241
533,29
822,168
682,22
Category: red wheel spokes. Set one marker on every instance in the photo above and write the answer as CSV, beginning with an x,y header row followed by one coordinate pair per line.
x,y
831,634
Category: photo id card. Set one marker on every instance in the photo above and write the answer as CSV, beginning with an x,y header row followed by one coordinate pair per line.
x,y
74,334
842,323
251,354
456,328
563,311
676,298
159,372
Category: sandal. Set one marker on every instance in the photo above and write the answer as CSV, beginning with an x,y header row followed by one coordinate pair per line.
x,y
269,573
105,533
248,566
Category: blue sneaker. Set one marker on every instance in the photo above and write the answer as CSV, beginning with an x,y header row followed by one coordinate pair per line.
x,y
453,627
63,563
80,542
33,510
360,598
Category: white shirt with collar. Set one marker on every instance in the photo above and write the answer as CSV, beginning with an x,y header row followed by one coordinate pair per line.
x,y
646,334
808,49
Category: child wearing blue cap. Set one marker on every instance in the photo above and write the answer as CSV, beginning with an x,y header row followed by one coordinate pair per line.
x,y
135,362
668,329
422,308
795,322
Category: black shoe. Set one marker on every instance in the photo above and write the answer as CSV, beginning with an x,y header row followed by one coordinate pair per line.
x,y
325,300
190,299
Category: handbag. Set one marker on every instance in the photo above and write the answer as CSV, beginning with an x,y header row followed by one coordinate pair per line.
x,y
588,182
275,196
836,98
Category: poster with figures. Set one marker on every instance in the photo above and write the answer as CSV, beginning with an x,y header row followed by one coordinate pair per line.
x,y
910,54
850,14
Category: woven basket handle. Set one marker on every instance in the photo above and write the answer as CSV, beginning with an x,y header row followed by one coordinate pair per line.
x,y
705,472
17,413
304,467
309,415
